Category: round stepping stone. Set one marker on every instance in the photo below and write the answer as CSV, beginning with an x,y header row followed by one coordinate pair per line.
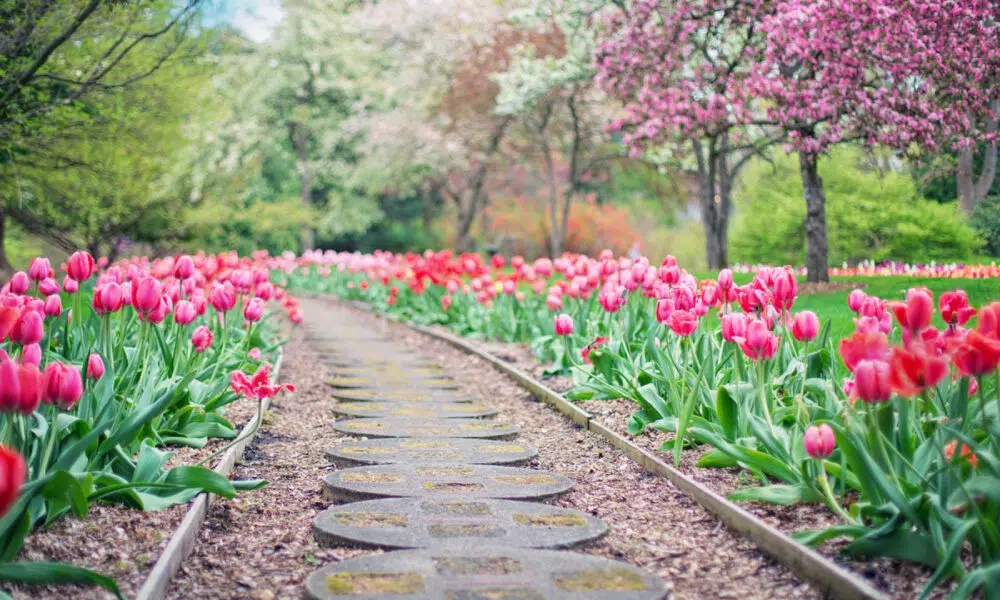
x,y
390,372
473,523
442,481
377,382
429,452
399,395
428,428
483,573
419,410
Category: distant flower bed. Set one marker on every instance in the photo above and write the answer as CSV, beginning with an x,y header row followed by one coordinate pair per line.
x,y
897,269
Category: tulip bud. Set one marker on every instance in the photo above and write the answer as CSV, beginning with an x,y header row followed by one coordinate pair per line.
x,y
80,266
48,286
108,298
254,310
62,385
726,279
31,355
53,306
19,283
563,324
734,325
805,326
28,329
819,441
223,297
70,285
95,366
40,268
664,308
856,299
871,380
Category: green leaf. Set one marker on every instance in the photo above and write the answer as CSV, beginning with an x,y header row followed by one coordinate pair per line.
x,y
814,537
202,479
772,494
42,573
716,459
727,409
899,543
249,484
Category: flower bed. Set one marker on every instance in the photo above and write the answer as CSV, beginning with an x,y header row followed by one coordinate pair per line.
x,y
100,373
900,446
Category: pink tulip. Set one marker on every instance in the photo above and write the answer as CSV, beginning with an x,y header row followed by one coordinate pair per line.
x,y
445,302
70,285
254,310
726,279
10,386
40,268
734,325
28,329
48,286
223,297
856,299
682,322
19,283
53,305
184,267
201,338
31,385
760,343
554,302
80,266
31,355
185,313
146,294
805,326
664,308
108,298
819,441
871,380
563,324
254,354
95,366
62,385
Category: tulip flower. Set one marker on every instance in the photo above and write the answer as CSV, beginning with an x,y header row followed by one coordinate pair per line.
x,y
664,308
108,298
30,384
955,309
10,386
805,326
554,302
201,338
967,454
682,322
726,279
28,329
19,283
871,380
975,354
563,324
146,294
759,343
910,373
989,320
819,441
785,290
863,346
62,385
31,355
223,297
13,471
856,299
80,266
95,366
53,306
914,314
48,286
254,310
185,313
184,268
445,302
40,268
734,325
70,285
254,354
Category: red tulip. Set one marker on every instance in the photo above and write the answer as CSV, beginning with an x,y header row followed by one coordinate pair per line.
x,y
146,294
19,283
955,309
683,322
819,441
185,313
13,471
10,386
95,366
108,298
28,329
201,338
30,381
915,314
563,324
259,386
863,346
910,373
976,354
63,385
989,320
498,261
8,317
80,266
805,326
759,343
40,268
871,380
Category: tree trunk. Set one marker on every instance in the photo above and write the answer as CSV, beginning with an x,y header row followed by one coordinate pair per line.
x,y
426,207
817,251
714,199
972,188
470,199
4,263
298,134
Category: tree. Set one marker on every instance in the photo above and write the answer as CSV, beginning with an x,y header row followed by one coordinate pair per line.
x,y
917,72
681,68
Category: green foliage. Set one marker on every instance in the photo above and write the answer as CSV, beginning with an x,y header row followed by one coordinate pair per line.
x,y
869,216
986,219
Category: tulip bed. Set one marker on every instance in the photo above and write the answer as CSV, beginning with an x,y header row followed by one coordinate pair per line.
x,y
895,427
104,371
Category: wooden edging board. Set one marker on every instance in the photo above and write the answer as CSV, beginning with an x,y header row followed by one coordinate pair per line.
x,y
183,540
832,579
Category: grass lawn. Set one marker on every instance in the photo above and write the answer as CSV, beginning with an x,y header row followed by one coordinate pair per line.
x,y
833,305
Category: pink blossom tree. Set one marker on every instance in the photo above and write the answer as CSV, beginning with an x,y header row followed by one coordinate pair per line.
x,y
894,72
681,68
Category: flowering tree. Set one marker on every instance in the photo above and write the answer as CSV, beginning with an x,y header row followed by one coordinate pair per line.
x,y
918,72
681,68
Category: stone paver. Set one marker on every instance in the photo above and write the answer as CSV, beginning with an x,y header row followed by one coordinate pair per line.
x,y
402,395
429,451
442,481
428,428
468,523
492,573
418,410
378,382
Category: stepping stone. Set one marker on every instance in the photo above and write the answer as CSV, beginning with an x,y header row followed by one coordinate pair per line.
x,y
388,372
429,452
442,481
383,362
464,524
420,410
482,573
376,382
428,428
400,395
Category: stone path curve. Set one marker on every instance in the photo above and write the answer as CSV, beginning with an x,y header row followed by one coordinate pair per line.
x,y
438,498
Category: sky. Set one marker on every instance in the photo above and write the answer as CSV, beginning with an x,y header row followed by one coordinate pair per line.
x,y
256,18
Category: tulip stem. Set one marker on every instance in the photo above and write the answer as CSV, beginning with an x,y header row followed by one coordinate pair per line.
x,y
50,439
762,377
253,430
222,346
831,500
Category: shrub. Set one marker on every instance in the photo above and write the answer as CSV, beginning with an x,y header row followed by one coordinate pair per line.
x,y
986,219
870,215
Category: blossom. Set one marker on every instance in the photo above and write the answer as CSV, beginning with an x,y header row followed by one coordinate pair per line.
x,y
871,380
682,322
805,326
95,366
563,324
914,314
911,372
760,343
863,346
734,325
80,266
967,454
13,471
585,352
257,387
819,441
954,307
201,338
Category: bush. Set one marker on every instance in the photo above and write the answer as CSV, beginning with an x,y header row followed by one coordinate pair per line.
x,y
870,215
986,219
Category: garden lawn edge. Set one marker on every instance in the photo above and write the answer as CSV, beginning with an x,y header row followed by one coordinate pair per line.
x,y
184,538
833,580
